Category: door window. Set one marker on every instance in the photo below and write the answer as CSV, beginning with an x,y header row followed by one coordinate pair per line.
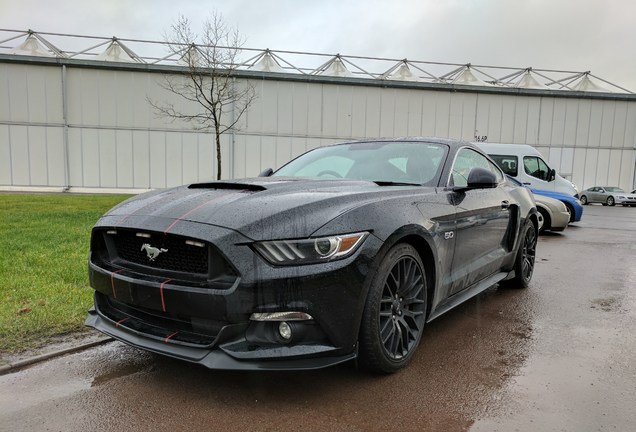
x,y
507,163
535,167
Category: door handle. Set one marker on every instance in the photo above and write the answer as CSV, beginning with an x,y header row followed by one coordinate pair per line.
x,y
505,204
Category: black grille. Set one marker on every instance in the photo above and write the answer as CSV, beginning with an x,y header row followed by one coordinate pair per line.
x,y
175,254
153,325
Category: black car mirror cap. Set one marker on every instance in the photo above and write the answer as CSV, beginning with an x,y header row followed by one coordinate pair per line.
x,y
481,178
551,175
478,178
266,172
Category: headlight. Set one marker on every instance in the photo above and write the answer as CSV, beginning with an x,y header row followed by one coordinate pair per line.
x,y
621,197
309,251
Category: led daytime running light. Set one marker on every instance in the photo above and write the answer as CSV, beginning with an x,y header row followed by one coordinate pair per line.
x,y
309,251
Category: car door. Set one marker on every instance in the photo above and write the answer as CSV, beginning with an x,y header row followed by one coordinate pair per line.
x,y
483,217
538,173
597,194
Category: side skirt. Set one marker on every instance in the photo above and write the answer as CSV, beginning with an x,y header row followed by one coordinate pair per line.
x,y
466,294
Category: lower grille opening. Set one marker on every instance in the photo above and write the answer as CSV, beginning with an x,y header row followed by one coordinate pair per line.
x,y
182,331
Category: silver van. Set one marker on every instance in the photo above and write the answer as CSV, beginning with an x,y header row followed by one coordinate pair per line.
x,y
526,164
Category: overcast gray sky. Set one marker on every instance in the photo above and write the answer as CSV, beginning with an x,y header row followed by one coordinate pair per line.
x,y
579,35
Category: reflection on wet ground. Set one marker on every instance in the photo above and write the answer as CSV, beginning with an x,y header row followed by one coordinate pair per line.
x,y
464,359
558,354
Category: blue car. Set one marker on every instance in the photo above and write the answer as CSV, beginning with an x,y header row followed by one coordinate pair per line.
x,y
573,204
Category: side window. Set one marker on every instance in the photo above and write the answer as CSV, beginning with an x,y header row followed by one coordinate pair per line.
x,y
535,167
497,172
467,159
508,163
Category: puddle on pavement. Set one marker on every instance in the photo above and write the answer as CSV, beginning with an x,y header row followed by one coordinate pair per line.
x,y
121,371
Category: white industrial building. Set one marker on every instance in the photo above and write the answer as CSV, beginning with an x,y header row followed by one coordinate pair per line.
x,y
80,120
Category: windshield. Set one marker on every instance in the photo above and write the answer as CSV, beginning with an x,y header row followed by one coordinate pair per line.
x,y
384,162
613,189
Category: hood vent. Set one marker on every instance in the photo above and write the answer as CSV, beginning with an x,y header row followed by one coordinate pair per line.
x,y
228,185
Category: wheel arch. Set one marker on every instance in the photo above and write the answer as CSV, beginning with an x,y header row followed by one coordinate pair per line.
x,y
534,220
424,244
547,219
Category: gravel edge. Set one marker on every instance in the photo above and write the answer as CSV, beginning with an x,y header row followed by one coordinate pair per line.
x,y
15,366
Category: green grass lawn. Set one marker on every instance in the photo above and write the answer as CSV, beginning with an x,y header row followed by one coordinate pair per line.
x,y
44,242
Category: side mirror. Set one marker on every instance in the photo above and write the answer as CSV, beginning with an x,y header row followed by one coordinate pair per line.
x,y
551,175
266,172
479,178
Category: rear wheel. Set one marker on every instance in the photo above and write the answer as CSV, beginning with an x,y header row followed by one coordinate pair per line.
x,y
524,263
583,200
610,201
395,311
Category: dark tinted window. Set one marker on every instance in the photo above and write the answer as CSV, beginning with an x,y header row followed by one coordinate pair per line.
x,y
507,163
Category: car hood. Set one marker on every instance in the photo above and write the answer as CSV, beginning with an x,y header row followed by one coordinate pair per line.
x,y
259,208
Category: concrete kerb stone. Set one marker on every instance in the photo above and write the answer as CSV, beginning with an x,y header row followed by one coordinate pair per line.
x,y
15,366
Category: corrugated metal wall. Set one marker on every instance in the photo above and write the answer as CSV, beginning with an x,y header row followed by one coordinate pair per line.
x,y
116,142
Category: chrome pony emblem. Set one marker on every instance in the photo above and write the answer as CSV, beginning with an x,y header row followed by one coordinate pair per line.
x,y
151,251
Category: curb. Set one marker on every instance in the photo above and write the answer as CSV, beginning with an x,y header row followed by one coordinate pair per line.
x,y
12,367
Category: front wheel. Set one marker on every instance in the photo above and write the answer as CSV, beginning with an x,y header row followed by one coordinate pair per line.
x,y
583,200
570,210
544,220
524,262
395,311
610,201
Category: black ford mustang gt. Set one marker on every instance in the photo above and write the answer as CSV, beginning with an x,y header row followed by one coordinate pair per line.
x,y
344,252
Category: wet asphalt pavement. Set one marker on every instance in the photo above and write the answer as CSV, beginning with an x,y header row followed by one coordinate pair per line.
x,y
558,356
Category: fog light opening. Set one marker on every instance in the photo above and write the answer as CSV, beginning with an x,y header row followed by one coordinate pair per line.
x,y
285,331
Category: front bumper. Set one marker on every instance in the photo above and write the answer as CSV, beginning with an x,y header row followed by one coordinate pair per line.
x,y
212,326
626,201
560,221
225,356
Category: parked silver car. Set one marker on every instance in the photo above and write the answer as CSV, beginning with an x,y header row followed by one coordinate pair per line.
x,y
553,214
607,195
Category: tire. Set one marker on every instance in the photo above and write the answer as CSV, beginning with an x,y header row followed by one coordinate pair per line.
x,y
544,220
524,262
395,312
610,201
583,200
571,212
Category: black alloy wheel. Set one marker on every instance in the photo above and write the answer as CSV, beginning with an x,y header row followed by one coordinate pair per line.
x,y
395,311
524,263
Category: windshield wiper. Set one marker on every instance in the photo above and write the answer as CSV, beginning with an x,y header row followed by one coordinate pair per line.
x,y
392,183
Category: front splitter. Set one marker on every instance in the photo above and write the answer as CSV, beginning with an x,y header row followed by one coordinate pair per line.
x,y
212,359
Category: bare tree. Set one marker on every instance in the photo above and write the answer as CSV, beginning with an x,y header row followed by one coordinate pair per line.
x,y
211,60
